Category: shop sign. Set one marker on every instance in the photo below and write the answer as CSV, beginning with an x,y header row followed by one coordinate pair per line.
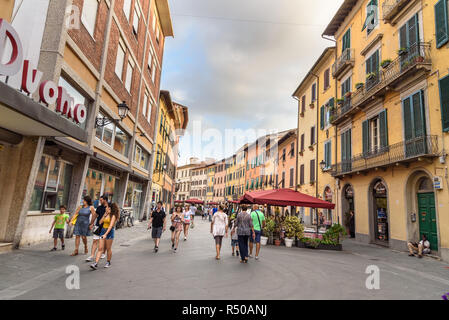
x,y
380,189
328,194
49,92
349,192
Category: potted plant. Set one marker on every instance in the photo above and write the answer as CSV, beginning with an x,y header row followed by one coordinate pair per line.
x,y
312,105
359,85
384,64
402,51
348,94
268,232
370,76
293,228
419,59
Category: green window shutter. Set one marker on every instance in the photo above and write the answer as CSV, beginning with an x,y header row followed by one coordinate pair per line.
x,y
322,118
408,119
343,146
331,102
403,41
413,27
366,137
444,98
418,114
383,126
441,23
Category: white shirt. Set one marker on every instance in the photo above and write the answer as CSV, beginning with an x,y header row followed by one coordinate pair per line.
x,y
220,221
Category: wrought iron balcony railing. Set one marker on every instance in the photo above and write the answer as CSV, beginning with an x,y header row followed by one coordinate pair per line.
x,y
405,151
413,59
347,58
391,8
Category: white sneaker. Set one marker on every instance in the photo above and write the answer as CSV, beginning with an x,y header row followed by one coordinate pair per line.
x,y
107,265
103,256
257,258
89,259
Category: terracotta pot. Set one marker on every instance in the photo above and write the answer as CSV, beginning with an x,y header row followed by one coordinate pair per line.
x,y
277,242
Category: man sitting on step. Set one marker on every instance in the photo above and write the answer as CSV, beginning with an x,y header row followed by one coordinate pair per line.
x,y
422,247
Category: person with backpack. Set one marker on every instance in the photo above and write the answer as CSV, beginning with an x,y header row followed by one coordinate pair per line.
x,y
258,223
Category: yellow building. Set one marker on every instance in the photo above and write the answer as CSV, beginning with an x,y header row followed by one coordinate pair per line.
x,y
231,181
315,94
391,120
241,159
211,169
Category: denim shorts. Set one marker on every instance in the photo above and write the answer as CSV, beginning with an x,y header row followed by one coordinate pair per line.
x,y
234,243
110,234
257,239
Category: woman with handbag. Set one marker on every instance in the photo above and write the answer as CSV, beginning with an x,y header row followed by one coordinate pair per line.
x,y
177,220
107,234
82,226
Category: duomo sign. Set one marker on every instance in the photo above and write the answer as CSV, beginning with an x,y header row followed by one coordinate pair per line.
x,y
49,92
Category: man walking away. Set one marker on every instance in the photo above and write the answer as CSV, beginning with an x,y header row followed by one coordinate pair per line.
x,y
101,209
422,247
193,212
157,222
258,223
245,229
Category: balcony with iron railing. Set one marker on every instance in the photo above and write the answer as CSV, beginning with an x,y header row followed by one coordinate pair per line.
x,y
345,61
410,62
403,152
391,8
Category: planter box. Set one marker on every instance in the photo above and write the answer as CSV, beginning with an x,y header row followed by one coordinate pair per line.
x,y
321,246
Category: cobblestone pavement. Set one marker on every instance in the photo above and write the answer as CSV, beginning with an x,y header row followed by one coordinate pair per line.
x,y
193,273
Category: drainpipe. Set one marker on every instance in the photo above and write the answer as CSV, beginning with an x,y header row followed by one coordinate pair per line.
x,y
297,144
316,130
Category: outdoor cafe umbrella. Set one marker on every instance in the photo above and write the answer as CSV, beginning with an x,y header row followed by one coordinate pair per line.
x,y
194,201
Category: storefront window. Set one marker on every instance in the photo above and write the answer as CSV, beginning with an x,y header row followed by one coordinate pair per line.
x,y
78,97
92,186
114,137
52,185
38,192
133,197
141,157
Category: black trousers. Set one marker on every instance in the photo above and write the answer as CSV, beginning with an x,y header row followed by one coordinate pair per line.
x,y
243,247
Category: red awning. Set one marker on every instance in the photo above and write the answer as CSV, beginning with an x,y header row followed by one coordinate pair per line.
x,y
179,201
285,197
194,201
234,201
213,203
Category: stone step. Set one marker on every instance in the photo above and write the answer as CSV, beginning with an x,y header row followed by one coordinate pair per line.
x,y
5,247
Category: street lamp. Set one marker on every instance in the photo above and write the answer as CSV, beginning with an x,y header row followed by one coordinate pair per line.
x,y
123,110
322,165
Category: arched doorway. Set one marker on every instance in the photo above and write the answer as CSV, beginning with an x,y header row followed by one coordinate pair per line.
x,y
347,206
427,212
379,212
328,217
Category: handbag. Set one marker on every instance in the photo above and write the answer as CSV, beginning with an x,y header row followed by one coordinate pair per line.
x,y
97,231
74,219
172,228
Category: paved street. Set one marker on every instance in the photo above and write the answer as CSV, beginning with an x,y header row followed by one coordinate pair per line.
x,y
193,273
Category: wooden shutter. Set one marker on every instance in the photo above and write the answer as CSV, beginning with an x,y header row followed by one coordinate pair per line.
x,y
383,126
291,177
408,119
444,98
413,27
312,170
301,177
343,147
403,41
441,23
322,118
366,137
418,115
303,104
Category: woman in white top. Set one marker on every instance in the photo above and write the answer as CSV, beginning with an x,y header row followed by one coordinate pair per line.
x,y
187,219
219,229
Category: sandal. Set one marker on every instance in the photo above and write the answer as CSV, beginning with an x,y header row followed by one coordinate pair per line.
x,y
86,250
75,253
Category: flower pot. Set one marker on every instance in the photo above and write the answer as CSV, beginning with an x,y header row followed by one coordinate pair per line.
x,y
263,240
289,242
277,242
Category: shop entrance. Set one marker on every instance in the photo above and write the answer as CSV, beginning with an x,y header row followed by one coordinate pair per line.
x,y
427,213
347,208
380,210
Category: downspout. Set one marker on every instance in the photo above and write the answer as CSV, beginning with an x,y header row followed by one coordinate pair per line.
x,y
297,144
316,130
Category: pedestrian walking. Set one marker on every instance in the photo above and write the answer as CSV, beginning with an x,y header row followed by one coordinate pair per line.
x,y
157,222
187,220
100,211
82,226
193,211
109,219
258,223
59,223
245,229
211,213
234,237
176,228
219,229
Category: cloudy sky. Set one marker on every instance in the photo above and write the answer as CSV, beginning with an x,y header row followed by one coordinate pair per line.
x,y
236,63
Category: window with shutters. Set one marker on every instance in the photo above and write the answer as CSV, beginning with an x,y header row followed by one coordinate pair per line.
x,y
303,105
292,174
346,41
312,136
346,87
414,124
327,82
283,179
409,35
328,155
312,171
302,142
375,135
372,70
444,101
441,23
292,150
372,16
301,175
346,151
313,92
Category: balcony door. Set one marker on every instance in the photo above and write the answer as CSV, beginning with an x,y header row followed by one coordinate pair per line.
x,y
346,151
414,125
409,40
